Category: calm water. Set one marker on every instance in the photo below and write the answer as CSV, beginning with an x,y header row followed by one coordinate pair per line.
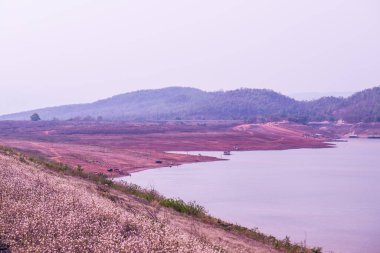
x,y
330,197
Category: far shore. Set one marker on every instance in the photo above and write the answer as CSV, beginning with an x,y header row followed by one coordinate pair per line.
x,y
117,149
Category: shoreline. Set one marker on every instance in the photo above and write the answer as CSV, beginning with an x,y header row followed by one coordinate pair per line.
x,y
120,148
123,162
216,178
330,144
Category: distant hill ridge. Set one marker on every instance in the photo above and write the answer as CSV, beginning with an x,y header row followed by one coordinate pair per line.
x,y
189,103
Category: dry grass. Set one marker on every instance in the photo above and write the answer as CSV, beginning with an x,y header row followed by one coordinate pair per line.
x,y
108,217
43,212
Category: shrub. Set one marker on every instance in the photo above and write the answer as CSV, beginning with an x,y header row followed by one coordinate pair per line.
x,y
316,250
35,117
179,205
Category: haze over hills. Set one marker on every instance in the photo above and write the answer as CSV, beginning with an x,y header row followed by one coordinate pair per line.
x,y
190,103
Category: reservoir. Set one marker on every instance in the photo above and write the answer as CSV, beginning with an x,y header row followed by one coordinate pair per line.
x,y
329,197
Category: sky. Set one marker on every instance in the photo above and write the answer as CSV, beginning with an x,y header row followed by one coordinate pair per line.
x,y
76,51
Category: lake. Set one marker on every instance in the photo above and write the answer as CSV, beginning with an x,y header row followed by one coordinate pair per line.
x,y
328,197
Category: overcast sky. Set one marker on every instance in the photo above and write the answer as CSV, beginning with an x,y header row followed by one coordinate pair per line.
x,y
59,52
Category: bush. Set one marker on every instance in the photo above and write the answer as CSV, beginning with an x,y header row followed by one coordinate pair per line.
x,y
179,205
316,250
35,117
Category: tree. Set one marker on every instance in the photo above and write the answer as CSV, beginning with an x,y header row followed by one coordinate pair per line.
x,y
35,117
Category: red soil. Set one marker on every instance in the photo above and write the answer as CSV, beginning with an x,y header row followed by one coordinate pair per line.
x,y
128,147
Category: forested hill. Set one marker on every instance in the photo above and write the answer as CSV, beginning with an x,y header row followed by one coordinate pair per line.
x,y
189,103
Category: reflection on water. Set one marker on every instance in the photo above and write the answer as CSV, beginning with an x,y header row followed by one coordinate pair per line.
x,y
330,197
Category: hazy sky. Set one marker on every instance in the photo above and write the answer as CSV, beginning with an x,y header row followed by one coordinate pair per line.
x,y
73,51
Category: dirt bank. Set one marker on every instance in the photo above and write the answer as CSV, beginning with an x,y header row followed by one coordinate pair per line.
x,y
119,148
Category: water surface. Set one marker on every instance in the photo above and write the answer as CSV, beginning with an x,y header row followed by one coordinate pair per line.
x,y
328,197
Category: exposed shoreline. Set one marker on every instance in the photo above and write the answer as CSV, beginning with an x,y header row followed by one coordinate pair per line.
x,y
209,159
120,148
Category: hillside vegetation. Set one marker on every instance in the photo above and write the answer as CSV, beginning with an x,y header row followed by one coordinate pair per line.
x,y
243,104
45,211
51,207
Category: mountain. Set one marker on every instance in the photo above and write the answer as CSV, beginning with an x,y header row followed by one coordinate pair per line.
x,y
362,106
308,96
190,103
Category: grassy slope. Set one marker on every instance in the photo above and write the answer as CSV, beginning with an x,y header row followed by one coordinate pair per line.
x,y
42,210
